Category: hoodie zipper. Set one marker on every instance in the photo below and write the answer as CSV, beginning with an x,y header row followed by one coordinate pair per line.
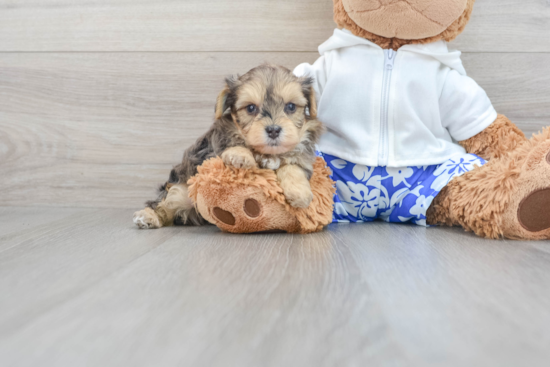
x,y
383,150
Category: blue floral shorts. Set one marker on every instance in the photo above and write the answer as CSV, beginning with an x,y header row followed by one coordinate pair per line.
x,y
364,194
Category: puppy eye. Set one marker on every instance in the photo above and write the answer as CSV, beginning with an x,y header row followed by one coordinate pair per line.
x,y
290,108
252,109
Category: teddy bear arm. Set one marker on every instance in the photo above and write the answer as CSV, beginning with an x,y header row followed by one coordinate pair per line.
x,y
501,137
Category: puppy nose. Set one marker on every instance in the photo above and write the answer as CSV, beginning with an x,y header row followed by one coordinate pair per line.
x,y
273,131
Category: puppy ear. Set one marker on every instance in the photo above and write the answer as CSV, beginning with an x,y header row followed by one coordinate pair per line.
x,y
312,106
309,93
221,103
227,96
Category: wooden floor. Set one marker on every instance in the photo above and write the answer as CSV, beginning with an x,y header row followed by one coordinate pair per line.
x,y
83,287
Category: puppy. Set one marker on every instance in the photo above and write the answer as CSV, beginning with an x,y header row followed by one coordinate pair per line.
x,y
265,118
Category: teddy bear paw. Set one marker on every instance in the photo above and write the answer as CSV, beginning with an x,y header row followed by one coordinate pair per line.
x,y
241,209
534,209
528,216
251,208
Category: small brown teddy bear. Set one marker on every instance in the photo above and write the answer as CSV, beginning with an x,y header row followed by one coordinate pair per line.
x,y
396,101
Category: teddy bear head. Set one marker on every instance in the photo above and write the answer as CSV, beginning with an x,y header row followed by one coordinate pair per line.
x,y
394,23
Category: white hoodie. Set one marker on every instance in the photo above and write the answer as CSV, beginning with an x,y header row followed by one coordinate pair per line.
x,y
395,109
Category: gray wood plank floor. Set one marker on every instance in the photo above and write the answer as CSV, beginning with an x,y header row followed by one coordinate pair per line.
x,y
83,287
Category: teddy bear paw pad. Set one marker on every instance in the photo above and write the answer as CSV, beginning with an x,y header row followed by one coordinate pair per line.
x,y
534,211
252,208
224,216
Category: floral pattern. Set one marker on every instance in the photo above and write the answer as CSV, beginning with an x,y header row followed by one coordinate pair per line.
x,y
392,194
452,168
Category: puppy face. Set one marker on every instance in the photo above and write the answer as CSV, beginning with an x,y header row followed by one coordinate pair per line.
x,y
271,108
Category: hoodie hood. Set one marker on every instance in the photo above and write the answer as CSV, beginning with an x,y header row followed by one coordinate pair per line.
x,y
438,50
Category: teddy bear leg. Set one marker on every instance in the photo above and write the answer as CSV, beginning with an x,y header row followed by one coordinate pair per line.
x,y
508,197
528,214
244,209
251,200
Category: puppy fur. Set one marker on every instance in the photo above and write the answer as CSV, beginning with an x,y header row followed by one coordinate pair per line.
x,y
265,118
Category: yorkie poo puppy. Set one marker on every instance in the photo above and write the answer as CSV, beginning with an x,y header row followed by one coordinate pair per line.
x,y
265,118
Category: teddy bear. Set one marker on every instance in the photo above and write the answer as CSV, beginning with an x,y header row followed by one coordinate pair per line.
x,y
410,137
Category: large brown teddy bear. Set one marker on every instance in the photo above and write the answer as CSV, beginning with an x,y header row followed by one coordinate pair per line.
x,y
508,196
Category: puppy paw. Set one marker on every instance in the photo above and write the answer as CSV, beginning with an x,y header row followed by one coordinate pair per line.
x,y
239,157
147,219
298,196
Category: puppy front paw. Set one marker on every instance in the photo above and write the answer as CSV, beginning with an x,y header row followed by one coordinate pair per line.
x,y
295,184
239,157
147,219
298,196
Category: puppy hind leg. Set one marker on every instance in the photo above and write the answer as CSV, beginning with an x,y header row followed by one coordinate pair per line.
x,y
189,217
147,219
176,203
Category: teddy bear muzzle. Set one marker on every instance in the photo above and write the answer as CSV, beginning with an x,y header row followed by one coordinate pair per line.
x,y
405,19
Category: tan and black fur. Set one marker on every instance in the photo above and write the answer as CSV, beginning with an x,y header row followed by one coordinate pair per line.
x,y
265,118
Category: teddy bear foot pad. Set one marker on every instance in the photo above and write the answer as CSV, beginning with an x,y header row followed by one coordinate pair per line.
x,y
534,211
531,199
252,208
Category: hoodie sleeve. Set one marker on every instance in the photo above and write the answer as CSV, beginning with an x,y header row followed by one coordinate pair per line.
x,y
465,107
317,71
